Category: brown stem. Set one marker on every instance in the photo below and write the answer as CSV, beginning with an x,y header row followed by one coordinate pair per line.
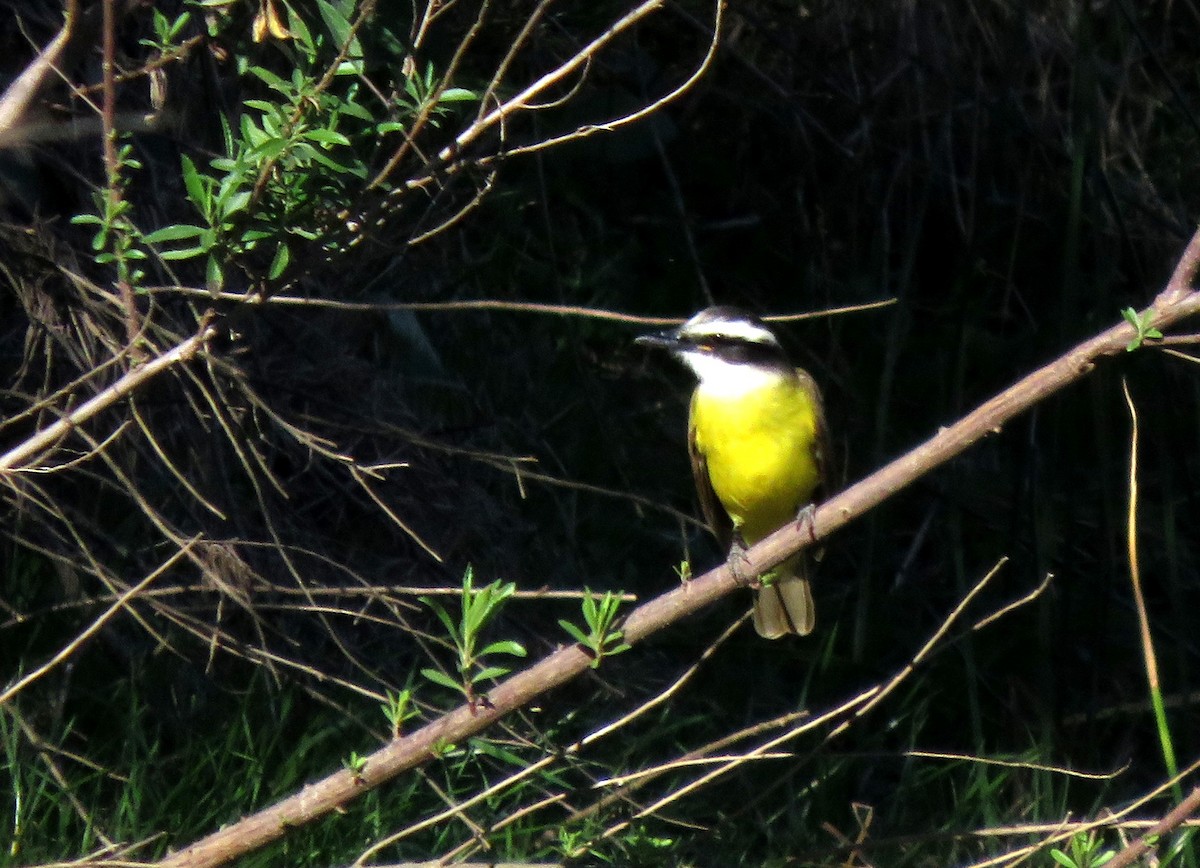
x,y
111,162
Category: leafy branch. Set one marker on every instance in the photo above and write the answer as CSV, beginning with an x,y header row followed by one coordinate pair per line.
x,y
1143,326
478,609
600,639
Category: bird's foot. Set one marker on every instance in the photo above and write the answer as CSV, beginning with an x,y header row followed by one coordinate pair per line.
x,y
738,565
804,518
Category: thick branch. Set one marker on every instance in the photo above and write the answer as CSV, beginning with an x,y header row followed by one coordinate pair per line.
x,y
1174,303
17,99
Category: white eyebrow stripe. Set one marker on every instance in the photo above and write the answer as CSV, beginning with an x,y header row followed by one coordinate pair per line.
x,y
724,328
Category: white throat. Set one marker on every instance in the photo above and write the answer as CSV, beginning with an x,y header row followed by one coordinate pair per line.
x,y
720,378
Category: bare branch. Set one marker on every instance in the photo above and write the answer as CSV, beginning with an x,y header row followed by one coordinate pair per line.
x,y
15,458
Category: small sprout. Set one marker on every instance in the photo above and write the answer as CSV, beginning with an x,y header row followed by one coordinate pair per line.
x,y
355,764
166,31
1085,852
684,571
600,638
397,709
1144,331
442,748
477,609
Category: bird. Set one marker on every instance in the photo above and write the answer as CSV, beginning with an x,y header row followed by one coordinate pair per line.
x,y
758,439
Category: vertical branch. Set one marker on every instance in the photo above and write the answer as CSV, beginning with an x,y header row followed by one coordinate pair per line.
x,y
112,163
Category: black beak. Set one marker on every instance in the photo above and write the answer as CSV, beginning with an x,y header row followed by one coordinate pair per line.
x,y
668,340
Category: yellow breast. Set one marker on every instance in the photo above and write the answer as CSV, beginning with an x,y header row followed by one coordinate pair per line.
x,y
761,451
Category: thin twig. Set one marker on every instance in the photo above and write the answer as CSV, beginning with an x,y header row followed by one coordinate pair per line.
x,y
67,650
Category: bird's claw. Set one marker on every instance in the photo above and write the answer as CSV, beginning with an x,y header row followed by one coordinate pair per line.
x,y
737,562
804,518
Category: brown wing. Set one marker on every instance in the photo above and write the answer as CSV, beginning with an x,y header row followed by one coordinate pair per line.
x,y
821,444
715,516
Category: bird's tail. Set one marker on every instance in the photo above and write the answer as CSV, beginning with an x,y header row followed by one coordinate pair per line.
x,y
785,606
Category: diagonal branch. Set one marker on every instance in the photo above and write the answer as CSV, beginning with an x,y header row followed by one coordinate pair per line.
x,y
1177,301
19,456
1182,812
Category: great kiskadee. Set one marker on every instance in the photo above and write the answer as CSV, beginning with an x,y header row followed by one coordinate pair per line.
x,y
757,438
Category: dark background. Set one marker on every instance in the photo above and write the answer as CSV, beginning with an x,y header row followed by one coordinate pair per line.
x,y
1010,176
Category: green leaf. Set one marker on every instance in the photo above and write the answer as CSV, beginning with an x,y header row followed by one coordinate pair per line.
x,y
270,79
504,647
326,137
214,275
576,634
301,36
178,232
333,165
182,253
268,148
339,28
194,184
280,263
236,202
304,152
439,677
442,748
354,110
251,133
227,135
178,25
458,94
272,125
443,616
495,751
